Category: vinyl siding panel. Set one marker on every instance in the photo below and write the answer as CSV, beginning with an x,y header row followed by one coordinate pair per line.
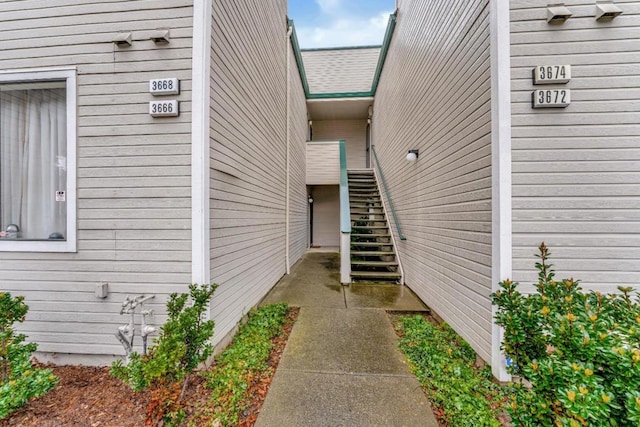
x,y
434,95
298,129
133,171
576,170
354,133
323,163
248,154
340,70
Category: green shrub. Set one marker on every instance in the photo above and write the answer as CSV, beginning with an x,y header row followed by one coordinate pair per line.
x,y
445,366
577,353
182,345
19,379
245,359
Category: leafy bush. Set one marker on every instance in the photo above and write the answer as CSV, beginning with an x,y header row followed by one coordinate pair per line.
x,y
577,353
19,379
245,359
445,365
182,345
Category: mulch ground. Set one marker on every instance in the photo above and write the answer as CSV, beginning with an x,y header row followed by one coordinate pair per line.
x,y
90,397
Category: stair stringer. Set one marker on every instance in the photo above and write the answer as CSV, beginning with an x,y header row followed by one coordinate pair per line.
x,y
385,209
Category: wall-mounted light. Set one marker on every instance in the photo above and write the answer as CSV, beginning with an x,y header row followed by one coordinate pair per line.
x,y
607,11
412,155
310,200
122,39
557,13
160,36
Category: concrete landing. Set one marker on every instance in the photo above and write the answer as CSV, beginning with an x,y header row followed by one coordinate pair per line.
x,y
341,366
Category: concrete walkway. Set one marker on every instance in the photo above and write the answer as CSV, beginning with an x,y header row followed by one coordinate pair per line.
x,y
341,366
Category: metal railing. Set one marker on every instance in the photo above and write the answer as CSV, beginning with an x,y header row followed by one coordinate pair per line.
x,y
388,195
345,218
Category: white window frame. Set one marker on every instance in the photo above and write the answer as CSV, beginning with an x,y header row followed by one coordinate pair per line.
x,y
69,76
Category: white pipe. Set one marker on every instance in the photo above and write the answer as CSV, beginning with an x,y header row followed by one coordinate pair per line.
x,y
287,197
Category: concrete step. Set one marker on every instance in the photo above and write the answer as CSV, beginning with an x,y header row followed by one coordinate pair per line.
x,y
370,227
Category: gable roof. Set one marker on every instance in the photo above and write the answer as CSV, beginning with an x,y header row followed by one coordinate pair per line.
x,y
331,77
343,70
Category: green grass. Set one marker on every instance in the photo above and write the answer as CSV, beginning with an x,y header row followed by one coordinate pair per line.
x,y
245,359
445,366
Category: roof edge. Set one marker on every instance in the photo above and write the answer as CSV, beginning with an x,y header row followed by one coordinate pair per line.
x,y
384,49
315,49
296,52
388,36
340,95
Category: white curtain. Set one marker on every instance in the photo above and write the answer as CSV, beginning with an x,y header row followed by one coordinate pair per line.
x,y
33,161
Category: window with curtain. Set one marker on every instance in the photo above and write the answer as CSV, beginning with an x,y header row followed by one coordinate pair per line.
x,y
33,161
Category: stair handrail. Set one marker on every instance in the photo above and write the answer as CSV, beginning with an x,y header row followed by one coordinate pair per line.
x,y
345,218
388,195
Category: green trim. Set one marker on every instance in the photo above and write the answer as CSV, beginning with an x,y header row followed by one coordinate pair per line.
x,y
296,53
384,49
388,194
340,95
341,48
388,35
345,209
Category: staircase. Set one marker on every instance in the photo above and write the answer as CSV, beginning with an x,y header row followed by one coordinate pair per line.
x,y
372,256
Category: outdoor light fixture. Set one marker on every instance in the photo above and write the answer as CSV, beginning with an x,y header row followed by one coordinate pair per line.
x,y
122,40
557,13
310,200
607,11
412,156
160,36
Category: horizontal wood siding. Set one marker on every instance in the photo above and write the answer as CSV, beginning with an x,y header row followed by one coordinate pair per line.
x,y
298,129
326,215
248,149
134,207
354,133
434,95
323,163
340,70
576,171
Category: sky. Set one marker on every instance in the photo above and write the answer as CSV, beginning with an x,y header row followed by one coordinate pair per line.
x,y
335,23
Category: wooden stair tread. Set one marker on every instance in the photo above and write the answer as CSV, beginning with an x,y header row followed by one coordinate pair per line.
x,y
374,263
373,253
376,274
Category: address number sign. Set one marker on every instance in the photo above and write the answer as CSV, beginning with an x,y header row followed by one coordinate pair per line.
x,y
551,98
164,108
164,86
551,74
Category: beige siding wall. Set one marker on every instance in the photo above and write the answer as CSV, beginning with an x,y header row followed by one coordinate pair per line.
x,y
354,132
323,163
434,95
134,209
576,171
326,215
248,149
298,129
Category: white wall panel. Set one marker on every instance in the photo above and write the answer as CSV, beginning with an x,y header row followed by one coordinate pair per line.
x,y
576,171
434,95
133,207
248,155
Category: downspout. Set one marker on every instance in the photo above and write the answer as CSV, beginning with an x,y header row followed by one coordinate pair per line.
x,y
288,184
